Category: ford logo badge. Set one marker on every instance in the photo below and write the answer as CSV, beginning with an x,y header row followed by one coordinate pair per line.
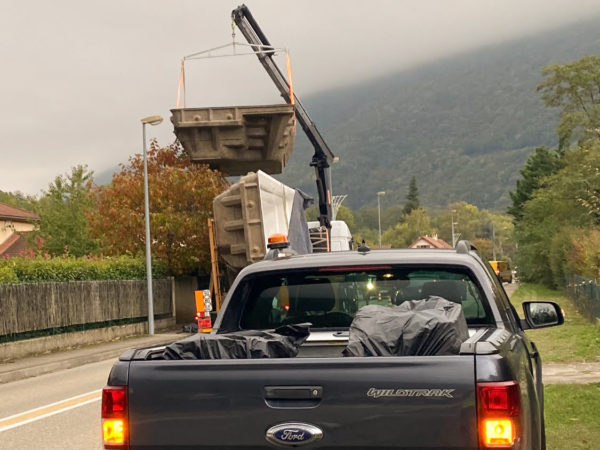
x,y
294,434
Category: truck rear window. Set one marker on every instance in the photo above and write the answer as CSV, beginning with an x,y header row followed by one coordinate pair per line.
x,y
329,297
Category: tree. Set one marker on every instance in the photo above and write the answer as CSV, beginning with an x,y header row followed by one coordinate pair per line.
x,y
575,88
588,173
181,195
412,198
405,233
62,210
344,213
584,255
19,200
542,163
555,212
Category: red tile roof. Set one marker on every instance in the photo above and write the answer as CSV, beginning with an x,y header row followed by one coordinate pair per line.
x,y
434,242
8,212
7,247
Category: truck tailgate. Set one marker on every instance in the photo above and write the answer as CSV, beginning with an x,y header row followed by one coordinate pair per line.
x,y
391,402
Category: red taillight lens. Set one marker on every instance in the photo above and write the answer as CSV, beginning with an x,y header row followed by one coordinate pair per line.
x,y
499,409
114,401
115,433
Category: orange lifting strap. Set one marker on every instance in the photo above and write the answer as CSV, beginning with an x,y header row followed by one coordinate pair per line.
x,y
288,63
181,85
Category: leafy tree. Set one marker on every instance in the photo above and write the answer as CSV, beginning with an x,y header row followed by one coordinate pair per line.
x,y
588,174
584,255
575,89
467,219
542,163
19,200
62,210
345,214
181,195
412,198
484,248
366,217
312,213
405,233
391,215
553,213
369,235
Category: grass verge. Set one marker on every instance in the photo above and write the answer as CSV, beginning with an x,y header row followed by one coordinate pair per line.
x,y
572,419
577,340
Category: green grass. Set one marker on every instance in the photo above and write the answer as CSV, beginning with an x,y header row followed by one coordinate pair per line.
x,y
572,416
577,340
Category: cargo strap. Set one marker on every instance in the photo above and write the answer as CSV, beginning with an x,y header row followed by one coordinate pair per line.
x,y
288,63
181,85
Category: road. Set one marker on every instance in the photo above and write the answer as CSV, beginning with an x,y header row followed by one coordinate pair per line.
x,y
56,411
510,288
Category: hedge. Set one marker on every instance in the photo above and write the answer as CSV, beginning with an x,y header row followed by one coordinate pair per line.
x,y
27,269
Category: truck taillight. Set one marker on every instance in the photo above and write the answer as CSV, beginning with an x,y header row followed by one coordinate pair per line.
x,y
499,410
115,433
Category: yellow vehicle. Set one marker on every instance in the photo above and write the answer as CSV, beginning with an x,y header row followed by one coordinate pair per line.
x,y
502,270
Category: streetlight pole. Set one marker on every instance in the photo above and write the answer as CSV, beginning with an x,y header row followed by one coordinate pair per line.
x,y
453,235
493,242
152,120
379,194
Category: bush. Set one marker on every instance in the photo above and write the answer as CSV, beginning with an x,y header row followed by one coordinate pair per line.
x,y
36,269
7,275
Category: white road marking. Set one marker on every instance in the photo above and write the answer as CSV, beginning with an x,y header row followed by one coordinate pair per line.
x,y
17,420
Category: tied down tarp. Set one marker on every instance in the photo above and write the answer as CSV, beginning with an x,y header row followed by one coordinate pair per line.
x,y
284,342
434,326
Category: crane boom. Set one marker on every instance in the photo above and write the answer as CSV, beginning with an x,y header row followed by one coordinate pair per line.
x,y
323,156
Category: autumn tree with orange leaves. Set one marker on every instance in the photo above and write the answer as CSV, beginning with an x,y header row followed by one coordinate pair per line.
x,y
181,195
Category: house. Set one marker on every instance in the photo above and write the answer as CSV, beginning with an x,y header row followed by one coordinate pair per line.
x,y
429,242
13,223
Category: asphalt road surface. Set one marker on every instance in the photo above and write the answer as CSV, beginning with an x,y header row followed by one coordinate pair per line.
x,y
57,411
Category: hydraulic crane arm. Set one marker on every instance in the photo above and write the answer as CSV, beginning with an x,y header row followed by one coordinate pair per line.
x,y
323,155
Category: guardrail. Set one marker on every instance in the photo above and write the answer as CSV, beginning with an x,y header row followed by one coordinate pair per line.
x,y
585,293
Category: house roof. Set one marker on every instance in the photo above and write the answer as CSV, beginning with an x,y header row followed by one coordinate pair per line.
x,y
435,242
8,212
12,245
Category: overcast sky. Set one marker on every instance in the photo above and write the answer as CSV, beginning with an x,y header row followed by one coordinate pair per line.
x,y
77,76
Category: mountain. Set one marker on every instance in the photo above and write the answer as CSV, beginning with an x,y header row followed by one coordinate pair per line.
x,y
463,126
105,176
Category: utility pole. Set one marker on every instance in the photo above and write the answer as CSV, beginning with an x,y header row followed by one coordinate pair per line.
x,y
379,194
453,235
493,243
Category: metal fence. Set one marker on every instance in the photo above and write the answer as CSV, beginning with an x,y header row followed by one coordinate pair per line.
x,y
585,293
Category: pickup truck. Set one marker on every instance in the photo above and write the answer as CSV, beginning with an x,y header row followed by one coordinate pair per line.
x,y
487,395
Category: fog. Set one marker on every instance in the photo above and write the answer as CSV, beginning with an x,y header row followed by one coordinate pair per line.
x,y
78,76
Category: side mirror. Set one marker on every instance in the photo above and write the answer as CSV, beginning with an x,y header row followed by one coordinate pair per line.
x,y
542,314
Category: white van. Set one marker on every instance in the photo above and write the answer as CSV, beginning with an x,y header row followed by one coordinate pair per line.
x,y
341,239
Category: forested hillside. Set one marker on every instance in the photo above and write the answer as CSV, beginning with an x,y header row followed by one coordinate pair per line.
x,y
463,127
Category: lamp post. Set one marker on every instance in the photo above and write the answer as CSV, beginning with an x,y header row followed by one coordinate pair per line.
x,y
453,235
493,242
152,120
379,194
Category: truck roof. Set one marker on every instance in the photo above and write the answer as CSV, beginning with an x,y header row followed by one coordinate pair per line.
x,y
387,256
